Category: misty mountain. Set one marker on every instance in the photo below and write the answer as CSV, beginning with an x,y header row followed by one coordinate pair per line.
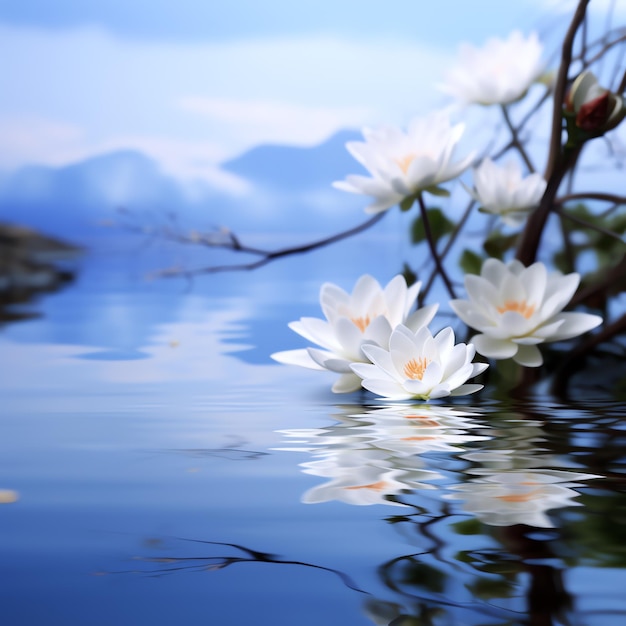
x,y
290,191
297,169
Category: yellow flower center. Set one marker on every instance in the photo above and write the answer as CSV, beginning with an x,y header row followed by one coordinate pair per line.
x,y
518,306
405,162
415,368
379,486
361,322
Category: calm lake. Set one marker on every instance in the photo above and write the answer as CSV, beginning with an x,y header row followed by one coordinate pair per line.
x,y
157,467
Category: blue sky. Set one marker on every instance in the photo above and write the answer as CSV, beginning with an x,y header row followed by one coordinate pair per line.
x,y
192,84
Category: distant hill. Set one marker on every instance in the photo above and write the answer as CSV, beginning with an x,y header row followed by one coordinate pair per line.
x,y
77,198
291,192
290,168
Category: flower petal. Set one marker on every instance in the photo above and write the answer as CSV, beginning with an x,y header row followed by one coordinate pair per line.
x,y
329,361
494,348
296,357
465,390
574,324
385,388
346,383
529,356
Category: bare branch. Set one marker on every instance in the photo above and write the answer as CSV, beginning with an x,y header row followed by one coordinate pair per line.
x,y
266,255
561,85
586,224
591,195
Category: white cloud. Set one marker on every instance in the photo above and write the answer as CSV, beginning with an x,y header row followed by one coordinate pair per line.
x,y
33,138
264,121
193,105
36,140
188,161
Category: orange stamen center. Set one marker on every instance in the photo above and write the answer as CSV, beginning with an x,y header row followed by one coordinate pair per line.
x,y
415,368
518,497
518,307
379,486
405,162
361,322
418,438
426,422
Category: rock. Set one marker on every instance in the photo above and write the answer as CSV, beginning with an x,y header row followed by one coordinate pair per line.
x,y
31,262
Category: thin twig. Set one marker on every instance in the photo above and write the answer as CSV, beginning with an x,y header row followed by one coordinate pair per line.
x,y
433,247
582,222
453,236
591,195
610,278
266,255
515,140
603,50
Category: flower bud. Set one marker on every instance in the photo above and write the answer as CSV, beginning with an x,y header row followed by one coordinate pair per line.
x,y
591,108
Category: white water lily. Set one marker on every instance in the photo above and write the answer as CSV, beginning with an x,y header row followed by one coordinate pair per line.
x,y
418,365
498,73
518,497
366,316
504,192
515,308
404,164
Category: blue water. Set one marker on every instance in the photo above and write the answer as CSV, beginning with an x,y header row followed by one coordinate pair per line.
x,y
162,469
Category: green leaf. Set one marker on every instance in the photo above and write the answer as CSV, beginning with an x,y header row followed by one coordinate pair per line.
x,y
471,263
438,191
409,275
440,225
497,244
407,203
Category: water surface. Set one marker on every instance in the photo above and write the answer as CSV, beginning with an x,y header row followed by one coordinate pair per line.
x,y
158,467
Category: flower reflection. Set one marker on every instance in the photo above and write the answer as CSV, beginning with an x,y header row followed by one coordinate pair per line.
x,y
374,456
413,430
363,477
519,497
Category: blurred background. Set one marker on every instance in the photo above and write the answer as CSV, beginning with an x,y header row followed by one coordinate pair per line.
x,y
219,113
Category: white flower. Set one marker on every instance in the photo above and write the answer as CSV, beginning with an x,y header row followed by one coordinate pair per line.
x,y
403,164
367,316
503,191
515,308
518,497
418,365
498,73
